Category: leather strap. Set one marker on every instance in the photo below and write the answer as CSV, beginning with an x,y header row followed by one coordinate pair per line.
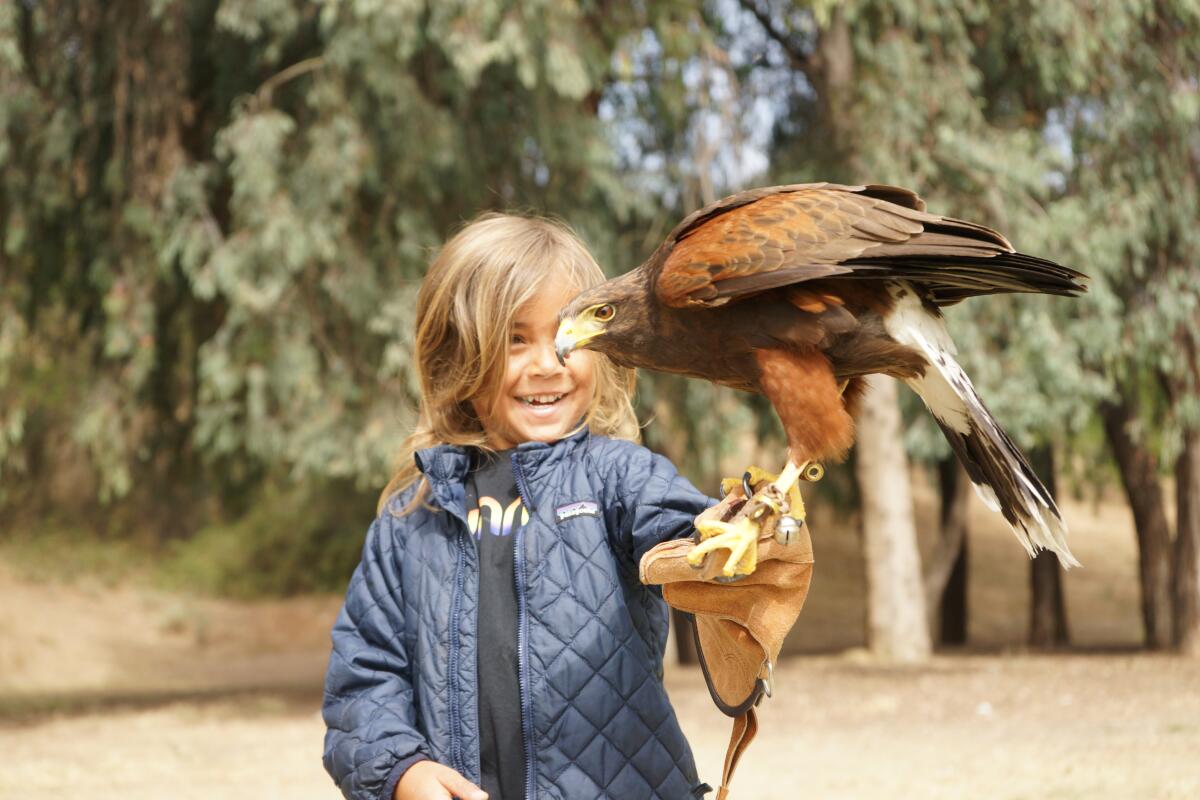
x,y
744,728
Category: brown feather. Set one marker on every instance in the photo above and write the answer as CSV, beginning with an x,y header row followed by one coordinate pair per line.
x,y
852,395
811,302
782,235
804,393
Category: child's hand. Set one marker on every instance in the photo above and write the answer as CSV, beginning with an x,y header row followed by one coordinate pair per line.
x,y
429,780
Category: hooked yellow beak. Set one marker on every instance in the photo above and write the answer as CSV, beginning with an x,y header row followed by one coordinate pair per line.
x,y
573,332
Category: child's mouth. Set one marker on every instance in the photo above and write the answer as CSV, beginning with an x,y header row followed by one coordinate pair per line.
x,y
541,401
542,405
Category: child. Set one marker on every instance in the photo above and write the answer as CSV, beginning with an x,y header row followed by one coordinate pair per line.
x,y
495,634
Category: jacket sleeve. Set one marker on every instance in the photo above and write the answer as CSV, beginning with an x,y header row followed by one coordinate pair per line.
x,y
656,503
369,708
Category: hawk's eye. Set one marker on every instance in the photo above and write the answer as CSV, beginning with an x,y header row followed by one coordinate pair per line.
x,y
605,312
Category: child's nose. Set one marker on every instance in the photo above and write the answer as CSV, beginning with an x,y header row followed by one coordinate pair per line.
x,y
545,359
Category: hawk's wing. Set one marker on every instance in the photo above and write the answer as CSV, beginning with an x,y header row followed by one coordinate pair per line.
x,y
781,235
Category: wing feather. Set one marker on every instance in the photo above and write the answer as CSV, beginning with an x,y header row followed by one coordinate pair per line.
x,y
775,236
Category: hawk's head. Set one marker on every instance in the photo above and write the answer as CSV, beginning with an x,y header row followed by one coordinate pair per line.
x,y
606,318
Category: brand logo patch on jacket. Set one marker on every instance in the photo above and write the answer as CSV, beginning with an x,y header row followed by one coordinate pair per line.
x,y
583,508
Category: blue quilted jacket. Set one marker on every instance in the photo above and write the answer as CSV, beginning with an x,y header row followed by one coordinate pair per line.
x,y
402,678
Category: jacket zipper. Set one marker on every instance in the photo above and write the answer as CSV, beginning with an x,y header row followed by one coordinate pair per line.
x,y
452,659
452,679
522,636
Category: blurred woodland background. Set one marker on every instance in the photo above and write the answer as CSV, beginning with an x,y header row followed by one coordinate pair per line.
x,y
214,215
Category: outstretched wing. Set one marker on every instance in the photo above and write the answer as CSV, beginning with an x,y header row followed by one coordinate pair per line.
x,y
781,235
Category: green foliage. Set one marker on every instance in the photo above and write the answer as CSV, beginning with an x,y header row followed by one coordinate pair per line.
x,y
220,211
1069,130
214,214
293,540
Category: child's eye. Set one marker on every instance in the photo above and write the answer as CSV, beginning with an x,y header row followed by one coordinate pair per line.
x,y
518,339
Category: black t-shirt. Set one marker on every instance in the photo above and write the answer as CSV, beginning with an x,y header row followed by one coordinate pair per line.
x,y
495,513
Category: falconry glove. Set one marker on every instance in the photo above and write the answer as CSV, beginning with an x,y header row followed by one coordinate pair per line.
x,y
740,621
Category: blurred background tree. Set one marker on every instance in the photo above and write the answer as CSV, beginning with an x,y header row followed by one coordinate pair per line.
x,y
1032,116
215,215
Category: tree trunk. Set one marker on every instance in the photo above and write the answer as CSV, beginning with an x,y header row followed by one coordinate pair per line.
x,y
897,629
955,501
831,68
952,628
1047,609
1139,476
946,567
1186,578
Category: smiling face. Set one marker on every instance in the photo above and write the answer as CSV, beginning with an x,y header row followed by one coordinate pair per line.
x,y
539,400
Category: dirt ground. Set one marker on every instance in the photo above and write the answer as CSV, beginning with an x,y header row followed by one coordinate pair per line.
x,y
125,692
1010,728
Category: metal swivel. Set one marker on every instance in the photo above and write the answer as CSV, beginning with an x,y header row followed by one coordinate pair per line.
x,y
813,472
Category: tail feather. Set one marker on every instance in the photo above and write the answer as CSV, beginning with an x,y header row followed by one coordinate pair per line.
x,y
1001,474
950,270
1005,482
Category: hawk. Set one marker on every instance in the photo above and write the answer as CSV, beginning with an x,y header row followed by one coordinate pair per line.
x,y
797,292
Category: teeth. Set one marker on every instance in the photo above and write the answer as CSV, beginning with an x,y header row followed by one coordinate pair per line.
x,y
541,398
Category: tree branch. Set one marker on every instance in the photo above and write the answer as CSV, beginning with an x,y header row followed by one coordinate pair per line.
x,y
800,59
263,95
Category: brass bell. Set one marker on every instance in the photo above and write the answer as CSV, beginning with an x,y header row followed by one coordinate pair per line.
x,y
788,529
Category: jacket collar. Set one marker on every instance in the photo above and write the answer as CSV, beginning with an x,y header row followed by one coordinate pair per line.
x,y
446,465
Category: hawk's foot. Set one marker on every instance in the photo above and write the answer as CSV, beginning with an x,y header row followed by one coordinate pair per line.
x,y
737,523
739,537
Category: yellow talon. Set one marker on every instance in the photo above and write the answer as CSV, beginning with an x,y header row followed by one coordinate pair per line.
x,y
757,476
740,537
737,537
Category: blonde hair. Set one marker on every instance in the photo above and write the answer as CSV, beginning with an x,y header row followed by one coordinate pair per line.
x,y
466,306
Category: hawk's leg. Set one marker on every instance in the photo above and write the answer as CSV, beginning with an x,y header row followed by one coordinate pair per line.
x,y
786,480
807,396
739,534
